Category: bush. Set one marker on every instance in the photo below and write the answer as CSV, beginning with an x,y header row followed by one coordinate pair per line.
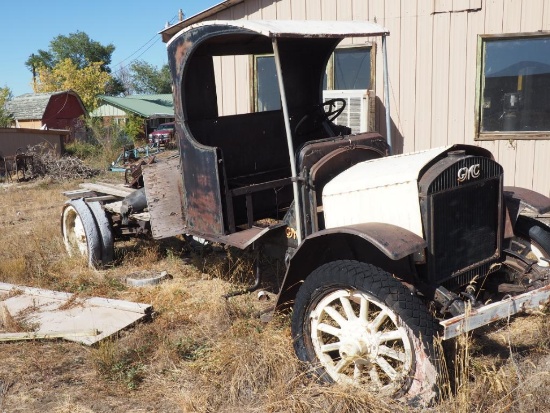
x,y
82,150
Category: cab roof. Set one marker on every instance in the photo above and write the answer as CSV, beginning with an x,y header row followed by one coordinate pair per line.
x,y
296,28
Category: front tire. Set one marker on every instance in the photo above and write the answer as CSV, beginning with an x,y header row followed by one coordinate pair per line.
x,y
356,324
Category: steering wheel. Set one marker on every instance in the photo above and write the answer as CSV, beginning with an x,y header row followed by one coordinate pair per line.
x,y
319,114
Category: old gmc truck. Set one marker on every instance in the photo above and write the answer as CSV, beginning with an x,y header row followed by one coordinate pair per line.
x,y
383,253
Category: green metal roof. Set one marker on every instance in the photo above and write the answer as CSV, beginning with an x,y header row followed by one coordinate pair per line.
x,y
143,105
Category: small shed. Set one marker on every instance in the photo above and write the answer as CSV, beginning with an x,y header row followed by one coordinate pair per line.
x,y
55,110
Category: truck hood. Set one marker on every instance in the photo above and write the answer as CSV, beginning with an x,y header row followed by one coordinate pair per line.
x,y
380,190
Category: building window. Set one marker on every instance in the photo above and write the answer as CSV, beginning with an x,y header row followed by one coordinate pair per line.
x,y
351,69
514,97
348,69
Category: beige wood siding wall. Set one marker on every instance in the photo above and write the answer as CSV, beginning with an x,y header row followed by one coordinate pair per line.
x,y
432,52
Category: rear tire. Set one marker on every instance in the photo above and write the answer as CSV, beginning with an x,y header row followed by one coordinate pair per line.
x,y
80,232
105,232
356,324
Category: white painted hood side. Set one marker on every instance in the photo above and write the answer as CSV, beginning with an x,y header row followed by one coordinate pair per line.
x,y
381,190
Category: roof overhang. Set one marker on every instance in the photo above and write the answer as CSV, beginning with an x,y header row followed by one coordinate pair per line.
x,y
170,31
291,28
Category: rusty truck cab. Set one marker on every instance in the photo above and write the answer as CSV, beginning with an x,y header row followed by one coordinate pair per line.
x,y
241,169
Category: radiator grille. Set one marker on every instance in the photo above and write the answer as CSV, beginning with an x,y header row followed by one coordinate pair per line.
x,y
462,218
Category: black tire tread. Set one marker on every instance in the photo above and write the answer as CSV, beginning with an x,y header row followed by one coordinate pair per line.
x,y
533,230
380,284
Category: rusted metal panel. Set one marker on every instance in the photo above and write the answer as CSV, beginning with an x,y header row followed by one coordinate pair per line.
x,y
495,311
528,199
244,239
163,188
395,242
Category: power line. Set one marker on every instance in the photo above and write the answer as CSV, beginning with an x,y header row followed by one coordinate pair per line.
x,y
156,36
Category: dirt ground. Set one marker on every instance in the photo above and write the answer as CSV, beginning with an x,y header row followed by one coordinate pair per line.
x,y
204,353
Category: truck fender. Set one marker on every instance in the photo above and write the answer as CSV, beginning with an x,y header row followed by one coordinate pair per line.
x,y
517,199
384,245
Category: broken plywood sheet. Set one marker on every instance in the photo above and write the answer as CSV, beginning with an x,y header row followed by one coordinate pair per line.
x,y
54,312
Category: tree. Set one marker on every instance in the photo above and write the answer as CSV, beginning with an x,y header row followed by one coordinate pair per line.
x,y
5,96
78,47
146,78
88,82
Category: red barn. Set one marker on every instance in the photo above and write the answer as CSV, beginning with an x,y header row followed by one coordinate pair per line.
x,y
56,110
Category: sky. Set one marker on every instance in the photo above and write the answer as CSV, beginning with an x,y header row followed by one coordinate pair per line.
x,y
131,26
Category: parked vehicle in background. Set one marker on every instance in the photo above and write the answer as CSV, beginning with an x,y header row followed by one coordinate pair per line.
x,y
164,134
382,253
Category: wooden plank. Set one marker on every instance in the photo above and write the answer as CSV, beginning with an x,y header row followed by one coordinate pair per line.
x,y
34,335
423,81
475,27
407,73
239,11
328,9
457,78
268,9
442,6
392,13
506,156
103,198
541,179
242,84
475,5
284,10
525,155
107,189
229,102
164,191
512,16
252,8
494,16
360,10
313,9
440,84
461,5
491,146
344,10
79,193
298,9
217,61
377,15
532,15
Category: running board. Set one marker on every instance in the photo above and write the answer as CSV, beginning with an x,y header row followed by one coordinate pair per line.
x,y
489,313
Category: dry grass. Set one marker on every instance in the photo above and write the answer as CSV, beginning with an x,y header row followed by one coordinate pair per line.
x,y
203,353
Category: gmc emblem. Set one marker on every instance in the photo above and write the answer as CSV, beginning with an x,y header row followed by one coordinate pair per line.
x,y
467,173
